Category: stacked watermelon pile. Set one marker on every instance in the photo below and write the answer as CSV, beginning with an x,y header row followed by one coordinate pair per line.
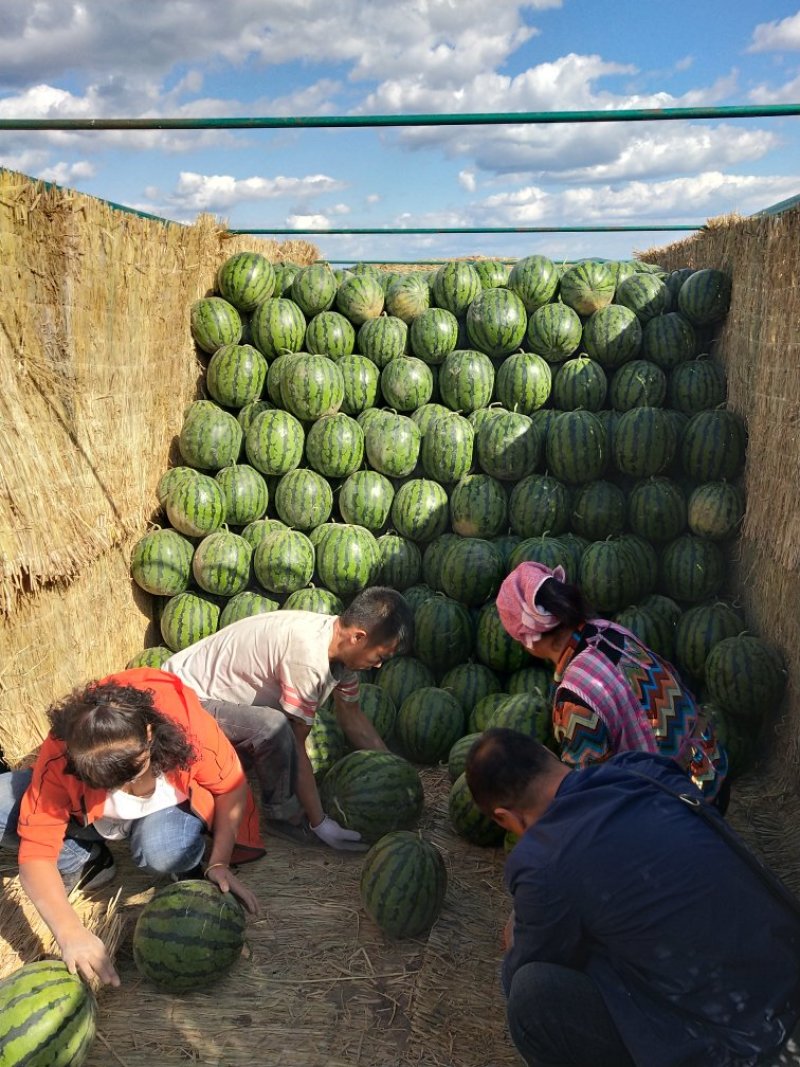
x,y
430,431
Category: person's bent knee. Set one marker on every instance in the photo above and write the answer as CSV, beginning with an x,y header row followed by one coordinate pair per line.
x,y
158,860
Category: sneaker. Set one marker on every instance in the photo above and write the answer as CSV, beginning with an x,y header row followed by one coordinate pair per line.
x,y
97,871
300,833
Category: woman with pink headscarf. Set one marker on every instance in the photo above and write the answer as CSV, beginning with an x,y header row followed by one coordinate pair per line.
x,y
613,694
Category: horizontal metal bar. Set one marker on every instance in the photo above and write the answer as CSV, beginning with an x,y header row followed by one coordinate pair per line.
x,y
468,229
503,118
778,209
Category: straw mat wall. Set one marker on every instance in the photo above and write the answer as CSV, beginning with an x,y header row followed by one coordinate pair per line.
x,y
96,366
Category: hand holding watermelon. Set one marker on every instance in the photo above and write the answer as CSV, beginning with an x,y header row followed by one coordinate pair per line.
x,y
331,833
220,875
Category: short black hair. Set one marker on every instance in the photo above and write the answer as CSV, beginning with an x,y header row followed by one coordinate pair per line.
x,y
563,600
501,767
385,615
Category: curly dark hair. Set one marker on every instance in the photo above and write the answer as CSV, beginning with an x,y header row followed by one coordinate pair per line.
x,y
104,727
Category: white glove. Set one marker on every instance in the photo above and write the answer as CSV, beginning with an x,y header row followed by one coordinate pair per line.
x,y
336,836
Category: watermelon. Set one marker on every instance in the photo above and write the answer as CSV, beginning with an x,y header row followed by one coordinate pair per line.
x,y
326,743
644,442
245,492
406,383
657,510
244,605
528,713
713,446
47,1017
188,935
382,339
534,280
652,630
492,272
668,340
493,646
551,551
330,334
457,757
303,499
508,446
607,575
469,683
443,633
698,630
360,298
455,285
745,676
612,335
554,332
402,676
466,379
407,297
662,606
401,562
285,273
373,793
276,375
360,378
321,601
284,561
161,562
704,297
278,326
538,680
433,335
467,819
638,384
472,570
433,560
484,709
429,722
598,511
644,294
348,560
214,322
255,532
496,322
392,444
274,443
576,447
210,438
478,506
170,479
417,594
697,385
197,507
446,451
692,569
221,563
579,383
379,708
249,411
523,382
314,388
187,618
587,287
236,375
715,511
403,884
313,289
365,499
539,504
335,446
420,509
245,279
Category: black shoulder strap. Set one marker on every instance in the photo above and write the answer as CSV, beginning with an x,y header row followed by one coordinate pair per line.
x,y
717,823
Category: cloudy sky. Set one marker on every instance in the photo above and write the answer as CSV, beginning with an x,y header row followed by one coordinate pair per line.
x,y
147,58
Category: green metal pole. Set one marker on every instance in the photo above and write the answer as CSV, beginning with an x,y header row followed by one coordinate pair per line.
x,y
468,229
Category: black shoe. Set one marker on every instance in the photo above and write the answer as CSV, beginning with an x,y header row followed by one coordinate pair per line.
x,y
299,833
186,876
97,871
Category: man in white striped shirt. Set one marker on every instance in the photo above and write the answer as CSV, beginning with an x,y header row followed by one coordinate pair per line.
x,y
263,679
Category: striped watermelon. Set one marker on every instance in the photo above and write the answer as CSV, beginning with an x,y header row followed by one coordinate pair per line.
x,y
416,595
383,339
645,564
406,383
528,713
493,646
745,676
551,551
221,563
402,676
245,492
433,559
598,511
429,722
313,289
330,334
433,335
668,340
408,296
335,446
574,546
278,325
638,384
621,269
492,272
692,569
303,499
478,506
466,379
652,630
236,375
675,279
348,560
715,511
210,438
645,294
472,570
554,332
373,793
481,415
285,274
697,385
197,508
426,413
365,499
274,443
172,478
314,388
443,633
359,298
255,532
322,601
607,576
537,680
155,657
277,373
704,297
326,743
644,442
188,935
361,379
401,562
587,287
534,280
576,447
698,630
214,322
420,510
446,451
379,708
496,322
579,383
247,414
505,545
612,335
662,606
403,884
467,819
245,279
713,446
455,285
187,618
161,563
539,504
484,709
508,446
244,605
392,443
47,1017
284,561
469,683
523,382
657,510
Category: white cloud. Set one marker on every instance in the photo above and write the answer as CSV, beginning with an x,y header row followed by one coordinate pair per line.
x,y
684,64
788,93
220,192
373,198
466,179
340,209
779,36
305,222
66,173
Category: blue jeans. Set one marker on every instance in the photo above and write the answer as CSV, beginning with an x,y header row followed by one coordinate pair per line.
x,y
170,841
557,1018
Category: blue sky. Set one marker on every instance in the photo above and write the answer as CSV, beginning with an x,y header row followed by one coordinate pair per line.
x,y
111,58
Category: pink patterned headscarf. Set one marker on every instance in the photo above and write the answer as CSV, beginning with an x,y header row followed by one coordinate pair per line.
x,y
516,602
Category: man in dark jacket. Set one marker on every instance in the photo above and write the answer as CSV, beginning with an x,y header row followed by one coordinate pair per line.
x,y
639,936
